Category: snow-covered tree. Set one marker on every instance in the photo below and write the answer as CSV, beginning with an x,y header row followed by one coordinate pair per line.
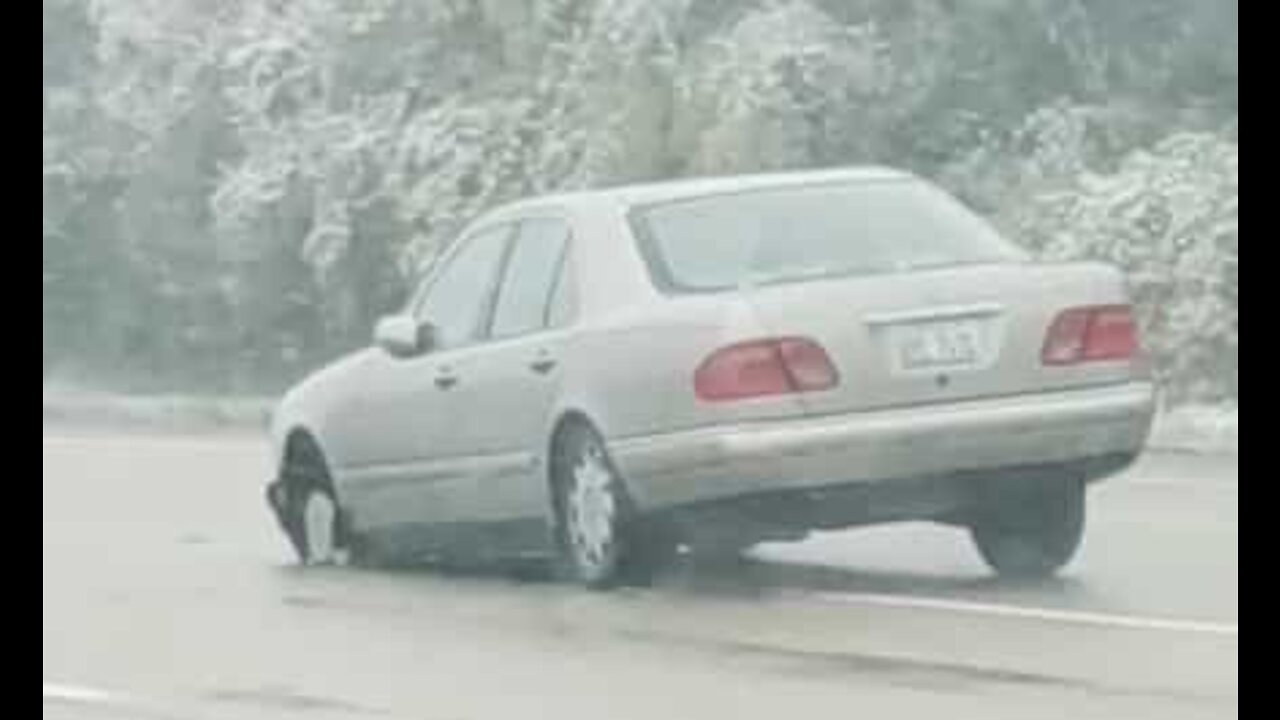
x,y
776,88
233,189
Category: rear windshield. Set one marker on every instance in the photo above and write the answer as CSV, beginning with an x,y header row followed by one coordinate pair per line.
x,y
782,235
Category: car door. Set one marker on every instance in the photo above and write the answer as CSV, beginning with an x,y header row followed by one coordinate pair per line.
x,y
514,378
415,421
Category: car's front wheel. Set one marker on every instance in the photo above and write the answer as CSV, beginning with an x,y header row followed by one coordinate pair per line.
x,y
308,511
1031,529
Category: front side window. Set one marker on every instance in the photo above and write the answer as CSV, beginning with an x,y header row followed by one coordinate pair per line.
x,y
457,298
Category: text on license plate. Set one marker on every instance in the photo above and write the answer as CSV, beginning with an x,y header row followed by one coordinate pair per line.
x,y
939,346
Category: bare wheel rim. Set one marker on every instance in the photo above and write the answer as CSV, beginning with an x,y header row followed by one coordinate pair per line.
x,y
319,514
591,510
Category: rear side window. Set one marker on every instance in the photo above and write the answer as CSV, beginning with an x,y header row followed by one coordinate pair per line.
x,y
780,235
564,297
525,298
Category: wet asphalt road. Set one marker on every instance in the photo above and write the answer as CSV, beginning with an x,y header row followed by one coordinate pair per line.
x,y
169,594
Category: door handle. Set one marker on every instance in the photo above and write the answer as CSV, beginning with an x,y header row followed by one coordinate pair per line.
x,y
446,380
542,365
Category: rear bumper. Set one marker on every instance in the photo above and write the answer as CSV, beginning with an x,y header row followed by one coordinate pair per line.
x,y
1098,430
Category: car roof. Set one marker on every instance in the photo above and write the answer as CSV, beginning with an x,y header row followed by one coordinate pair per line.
x,y
628,196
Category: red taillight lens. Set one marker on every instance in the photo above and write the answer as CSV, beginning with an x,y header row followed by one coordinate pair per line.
x,y
740,371
1113,334
764,367
1090,334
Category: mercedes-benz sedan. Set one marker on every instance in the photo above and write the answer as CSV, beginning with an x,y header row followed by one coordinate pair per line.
x,y
602,377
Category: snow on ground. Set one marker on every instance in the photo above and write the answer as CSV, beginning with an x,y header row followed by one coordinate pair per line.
x,y
1199,428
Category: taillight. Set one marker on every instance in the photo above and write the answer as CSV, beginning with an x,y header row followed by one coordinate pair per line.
x,y
774,366
1113,334
1091,334
1064,345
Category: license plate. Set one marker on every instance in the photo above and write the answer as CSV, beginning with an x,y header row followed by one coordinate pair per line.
x,y
938,346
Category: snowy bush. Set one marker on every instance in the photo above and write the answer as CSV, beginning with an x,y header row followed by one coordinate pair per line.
x,y
234,189
1170,217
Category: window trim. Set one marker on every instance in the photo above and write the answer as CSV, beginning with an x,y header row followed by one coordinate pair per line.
x,y
564,273
480,333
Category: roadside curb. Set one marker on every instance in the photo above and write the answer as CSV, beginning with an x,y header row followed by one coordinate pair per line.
x,y
166,412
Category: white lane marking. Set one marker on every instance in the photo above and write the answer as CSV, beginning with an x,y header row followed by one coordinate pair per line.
x,y
1076,617
1223,484
77,694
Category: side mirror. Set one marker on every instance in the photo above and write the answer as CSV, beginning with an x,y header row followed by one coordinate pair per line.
x,y
402,336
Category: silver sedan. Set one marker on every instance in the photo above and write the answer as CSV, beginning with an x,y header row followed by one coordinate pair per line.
x,y
605,377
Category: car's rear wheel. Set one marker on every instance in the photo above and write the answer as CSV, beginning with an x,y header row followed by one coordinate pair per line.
x,y
600,538
1031,529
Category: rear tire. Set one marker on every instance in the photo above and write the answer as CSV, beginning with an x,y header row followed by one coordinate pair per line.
x,y
601,541
1031,530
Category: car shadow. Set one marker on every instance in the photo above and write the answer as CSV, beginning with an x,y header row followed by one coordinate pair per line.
x,y
747,576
